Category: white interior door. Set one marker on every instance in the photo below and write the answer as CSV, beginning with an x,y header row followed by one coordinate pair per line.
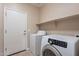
x,y
14,32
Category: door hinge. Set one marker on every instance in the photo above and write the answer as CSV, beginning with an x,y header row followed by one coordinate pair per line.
x,y
5,49
5,31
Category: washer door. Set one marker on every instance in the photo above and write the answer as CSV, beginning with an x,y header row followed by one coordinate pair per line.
x,y
49,50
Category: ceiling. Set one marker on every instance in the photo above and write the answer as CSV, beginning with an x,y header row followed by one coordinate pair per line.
x,y
37,4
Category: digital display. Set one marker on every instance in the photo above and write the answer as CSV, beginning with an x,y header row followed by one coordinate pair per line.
x,y
57,42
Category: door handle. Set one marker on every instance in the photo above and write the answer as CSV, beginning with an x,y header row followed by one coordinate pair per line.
x,y
24,33
24,30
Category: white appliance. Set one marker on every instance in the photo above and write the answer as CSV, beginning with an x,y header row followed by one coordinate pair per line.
x,y
59,45
35,42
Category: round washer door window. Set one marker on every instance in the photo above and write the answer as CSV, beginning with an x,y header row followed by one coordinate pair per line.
x,y
50,51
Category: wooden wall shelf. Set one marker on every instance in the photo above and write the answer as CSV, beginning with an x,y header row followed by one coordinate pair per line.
x,y
60,19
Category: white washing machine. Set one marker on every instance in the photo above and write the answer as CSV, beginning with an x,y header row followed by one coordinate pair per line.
x,y
59,45
35,42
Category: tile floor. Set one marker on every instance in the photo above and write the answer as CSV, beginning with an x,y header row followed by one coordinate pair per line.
x,y
24,53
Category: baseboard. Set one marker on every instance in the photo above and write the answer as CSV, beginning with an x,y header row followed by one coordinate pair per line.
x,y
16,53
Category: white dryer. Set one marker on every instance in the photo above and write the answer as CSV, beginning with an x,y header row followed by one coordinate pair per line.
x,y
35,42
59,45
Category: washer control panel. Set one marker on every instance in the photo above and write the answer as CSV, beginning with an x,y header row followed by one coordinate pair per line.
x,y
57,42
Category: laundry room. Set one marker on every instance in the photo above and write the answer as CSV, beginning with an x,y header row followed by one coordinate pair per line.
x,y
39,29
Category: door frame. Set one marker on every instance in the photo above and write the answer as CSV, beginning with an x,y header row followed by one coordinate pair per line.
x,y
4,18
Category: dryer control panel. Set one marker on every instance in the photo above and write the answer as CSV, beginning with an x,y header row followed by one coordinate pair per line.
x,y
57,42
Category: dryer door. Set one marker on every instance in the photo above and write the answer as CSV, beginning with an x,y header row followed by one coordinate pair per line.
x,y
49,50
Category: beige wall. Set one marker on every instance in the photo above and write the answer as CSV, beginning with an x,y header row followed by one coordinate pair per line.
x,y
65,16
32,19
1,29
55,11
67,26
